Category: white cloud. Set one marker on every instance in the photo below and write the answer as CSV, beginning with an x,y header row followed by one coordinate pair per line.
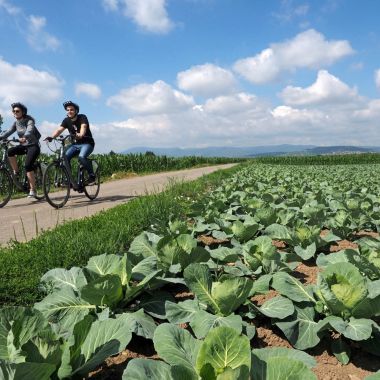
x,y
227,105
241,119
26,84
150,15
33,28
9,8
308,49
327,89
370,112
154,98
206,80
91,90
37,37
377,78
291,116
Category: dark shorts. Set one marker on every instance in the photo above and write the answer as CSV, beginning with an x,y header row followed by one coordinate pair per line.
x,y
32,152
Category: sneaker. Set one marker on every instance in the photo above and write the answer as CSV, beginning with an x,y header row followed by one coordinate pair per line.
x,y
91,180
32,194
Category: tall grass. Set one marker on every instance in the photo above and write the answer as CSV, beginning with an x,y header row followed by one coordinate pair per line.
x,y
72,244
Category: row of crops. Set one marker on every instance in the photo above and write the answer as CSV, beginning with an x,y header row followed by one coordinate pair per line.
x,y
188,289
112,163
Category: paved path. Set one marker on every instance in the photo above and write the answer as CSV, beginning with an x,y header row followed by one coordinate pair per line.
x,y
22,219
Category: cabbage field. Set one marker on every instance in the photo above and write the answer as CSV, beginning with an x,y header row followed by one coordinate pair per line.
x,y
274,274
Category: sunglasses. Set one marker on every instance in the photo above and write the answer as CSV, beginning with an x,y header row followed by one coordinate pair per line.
x,y
16,111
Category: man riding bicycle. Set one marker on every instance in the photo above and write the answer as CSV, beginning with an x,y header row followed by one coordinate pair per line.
x,y
29,143
78,126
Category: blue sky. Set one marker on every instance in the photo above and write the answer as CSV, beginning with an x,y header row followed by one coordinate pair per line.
x,y
196,73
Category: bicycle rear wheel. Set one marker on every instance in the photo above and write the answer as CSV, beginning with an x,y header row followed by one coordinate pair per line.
x,y
6,187
91,191
38,175
56,185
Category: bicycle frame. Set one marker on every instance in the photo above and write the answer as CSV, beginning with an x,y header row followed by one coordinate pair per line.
x,y
5,164
61,159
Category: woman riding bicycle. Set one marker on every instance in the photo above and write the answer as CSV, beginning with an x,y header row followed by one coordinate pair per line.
x,y
29,143
77,124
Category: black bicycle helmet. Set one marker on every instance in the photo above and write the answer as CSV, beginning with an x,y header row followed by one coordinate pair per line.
x,y
21,106
70,103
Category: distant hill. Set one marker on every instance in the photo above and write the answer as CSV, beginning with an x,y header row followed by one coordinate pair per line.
x,y
254,151
222,151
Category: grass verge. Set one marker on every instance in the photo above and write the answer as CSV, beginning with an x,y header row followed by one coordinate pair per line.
x,y
111,231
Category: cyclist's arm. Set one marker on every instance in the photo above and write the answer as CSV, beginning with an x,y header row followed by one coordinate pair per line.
x,y
83,130
58,131
8,132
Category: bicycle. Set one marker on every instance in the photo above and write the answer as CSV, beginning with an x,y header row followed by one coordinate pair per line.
x,y
58,178
9,182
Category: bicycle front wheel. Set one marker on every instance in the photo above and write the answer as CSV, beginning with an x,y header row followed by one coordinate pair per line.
x,y
6,187
91,190
39,181
56,185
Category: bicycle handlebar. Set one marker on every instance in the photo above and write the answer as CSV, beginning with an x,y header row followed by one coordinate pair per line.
x,y
8,141
60,139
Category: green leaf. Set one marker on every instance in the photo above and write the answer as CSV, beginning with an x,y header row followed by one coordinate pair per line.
x,y
144,268
260,356
341,350
59,278
341,287
224,254
224,348
279,232
26,371
146,369
154,304
105,290
181,312
176,346
240,373
140,323
203,322
375,376
183,373
300,329
306,253
95,341
142,247
230,293
244,232
198,279
17,326
358,329
285,369
277,307
64,308
102,265
261,285
292,288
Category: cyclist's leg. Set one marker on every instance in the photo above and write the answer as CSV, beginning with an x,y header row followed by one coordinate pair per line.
x,y
32,154
12,153
85,151
72,151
